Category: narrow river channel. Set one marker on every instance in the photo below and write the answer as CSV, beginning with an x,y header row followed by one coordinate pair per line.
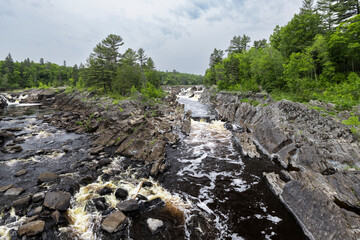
x,y
228,190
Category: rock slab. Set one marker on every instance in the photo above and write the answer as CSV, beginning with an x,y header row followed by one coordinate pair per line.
x,y
47,177
113,222
57,200
31,228
128,206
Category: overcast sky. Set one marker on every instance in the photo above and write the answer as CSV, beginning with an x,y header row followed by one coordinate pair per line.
x,y
177,34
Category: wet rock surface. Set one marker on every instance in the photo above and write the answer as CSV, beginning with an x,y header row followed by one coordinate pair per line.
x,y
315,152
31,228
113,222
57,200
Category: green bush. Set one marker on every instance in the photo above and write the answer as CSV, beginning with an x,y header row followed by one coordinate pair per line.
x,y
150,92
354,122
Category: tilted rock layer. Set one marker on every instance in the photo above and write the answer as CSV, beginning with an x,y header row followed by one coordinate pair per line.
x,y
316,152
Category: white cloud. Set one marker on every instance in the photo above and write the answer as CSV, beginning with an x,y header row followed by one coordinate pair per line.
x,y
177,34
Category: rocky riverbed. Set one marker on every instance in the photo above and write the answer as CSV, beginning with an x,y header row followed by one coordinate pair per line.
x,y
62,174
75,165
320,158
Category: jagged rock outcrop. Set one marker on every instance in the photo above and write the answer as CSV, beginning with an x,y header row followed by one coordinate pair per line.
x,y
131,128
318,154
3,101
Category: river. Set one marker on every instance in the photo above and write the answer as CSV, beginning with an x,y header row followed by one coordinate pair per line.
x,y
208,192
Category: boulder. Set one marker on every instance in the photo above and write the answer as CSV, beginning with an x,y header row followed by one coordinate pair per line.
x,y
35,211
47,177
31,228
128,206
104,162
20,172
19,140
105,191
5,136
121,193
7,187
37,197
57,200
154,224
14,191
12,149
100,203
113,222
22,202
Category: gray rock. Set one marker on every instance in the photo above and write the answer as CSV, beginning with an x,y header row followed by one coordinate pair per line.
x,y
12,149
22,202
20,173
14,192
57,200
154,224
313,148
4,136
113,222
14,129
104,162
37,197
326,221
31,228
19,140
7,187
35,211
47,177
128,206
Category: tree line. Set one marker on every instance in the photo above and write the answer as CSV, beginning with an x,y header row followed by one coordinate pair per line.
x,y
26,74
107,70
316,55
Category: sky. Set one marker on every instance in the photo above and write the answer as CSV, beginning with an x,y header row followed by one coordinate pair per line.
x,y
176,34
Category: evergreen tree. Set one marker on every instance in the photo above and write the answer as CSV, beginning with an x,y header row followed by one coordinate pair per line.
x,y
346,9
103,61
260,44
326,11
8,66
150,65
307,6
75,73
216,57
142,57
130,57
239,44
41,61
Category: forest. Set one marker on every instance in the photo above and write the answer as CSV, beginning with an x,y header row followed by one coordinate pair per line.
x,y
107,70
316,55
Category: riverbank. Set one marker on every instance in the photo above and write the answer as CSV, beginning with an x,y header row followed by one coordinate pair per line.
x,y
320,157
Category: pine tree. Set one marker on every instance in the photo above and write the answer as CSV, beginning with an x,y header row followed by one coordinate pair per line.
x,y
307,6
326,10
345,9
8,66
216,57
239,44
142,57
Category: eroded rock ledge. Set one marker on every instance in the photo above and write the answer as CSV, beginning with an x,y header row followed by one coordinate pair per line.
x,y
319,184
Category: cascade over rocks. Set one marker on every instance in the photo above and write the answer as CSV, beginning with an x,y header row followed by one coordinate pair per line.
x,y
314,151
